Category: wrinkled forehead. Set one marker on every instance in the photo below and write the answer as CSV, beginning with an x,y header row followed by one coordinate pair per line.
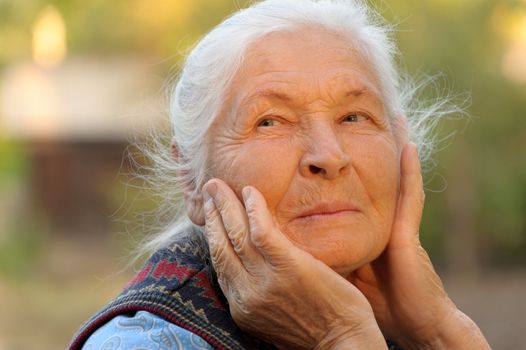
x,y
300,59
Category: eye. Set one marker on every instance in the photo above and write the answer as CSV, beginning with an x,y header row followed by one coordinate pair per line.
x,y
354,118
268,122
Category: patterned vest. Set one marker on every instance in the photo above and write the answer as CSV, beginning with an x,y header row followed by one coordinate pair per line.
x,y
177,284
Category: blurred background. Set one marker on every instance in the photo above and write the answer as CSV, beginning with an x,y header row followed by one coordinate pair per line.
x,y
80,79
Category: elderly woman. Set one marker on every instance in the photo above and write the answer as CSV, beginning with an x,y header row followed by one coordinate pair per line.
x,y
302,194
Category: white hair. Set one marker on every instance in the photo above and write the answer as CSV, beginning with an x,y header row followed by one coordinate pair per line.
x,y
199,92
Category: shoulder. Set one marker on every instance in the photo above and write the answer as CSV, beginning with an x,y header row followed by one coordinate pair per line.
x,y
145,331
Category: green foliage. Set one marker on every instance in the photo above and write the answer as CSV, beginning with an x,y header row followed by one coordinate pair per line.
x,y
14,164
20,249
466,44
465,40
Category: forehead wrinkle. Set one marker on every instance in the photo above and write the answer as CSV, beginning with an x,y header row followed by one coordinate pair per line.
x,y
336,95
354,82
364,95
273,92
270,94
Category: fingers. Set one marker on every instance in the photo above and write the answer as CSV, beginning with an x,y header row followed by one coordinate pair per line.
x,y
224,259
234,222
411,201
270,242
248,233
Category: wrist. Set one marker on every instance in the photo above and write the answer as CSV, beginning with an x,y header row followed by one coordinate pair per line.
x,y
457,331
366,337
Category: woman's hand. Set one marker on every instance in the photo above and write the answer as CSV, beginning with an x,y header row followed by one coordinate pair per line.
x,y
407,296
277,291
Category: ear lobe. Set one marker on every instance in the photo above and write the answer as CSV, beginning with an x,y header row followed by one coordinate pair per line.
x,y
192,201
194,208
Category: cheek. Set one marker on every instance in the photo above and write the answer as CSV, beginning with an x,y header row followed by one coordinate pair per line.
x,y
378,169
268,166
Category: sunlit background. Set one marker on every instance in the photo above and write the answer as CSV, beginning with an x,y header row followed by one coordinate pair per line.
x,y
80,79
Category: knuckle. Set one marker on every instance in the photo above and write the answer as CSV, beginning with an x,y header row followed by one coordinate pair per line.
x,y
209,208
243,302
211,219
237,235
218,256
221,204
251,209
259,238
223,283
255,221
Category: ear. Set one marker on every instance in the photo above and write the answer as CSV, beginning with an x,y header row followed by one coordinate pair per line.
x,y
193,202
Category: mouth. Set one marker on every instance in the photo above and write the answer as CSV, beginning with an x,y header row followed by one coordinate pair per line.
x,y
326,211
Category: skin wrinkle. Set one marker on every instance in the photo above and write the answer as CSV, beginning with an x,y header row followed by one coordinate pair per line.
x,y
316,196
347,50
319,157
310,106
355,90
311,194
365,172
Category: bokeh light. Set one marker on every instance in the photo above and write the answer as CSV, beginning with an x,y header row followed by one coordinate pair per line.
x,y
49,38
80,81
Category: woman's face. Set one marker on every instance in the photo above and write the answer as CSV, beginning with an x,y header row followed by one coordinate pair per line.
x,y
304,123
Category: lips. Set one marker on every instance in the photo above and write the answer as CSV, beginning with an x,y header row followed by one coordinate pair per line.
x,y
328,210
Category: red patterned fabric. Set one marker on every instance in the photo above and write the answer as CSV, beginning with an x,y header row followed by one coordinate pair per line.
x,y
177,284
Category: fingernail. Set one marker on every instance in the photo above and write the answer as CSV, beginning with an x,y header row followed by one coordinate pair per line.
x,y
246,193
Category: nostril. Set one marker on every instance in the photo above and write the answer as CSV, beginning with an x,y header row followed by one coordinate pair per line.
x,y
314,169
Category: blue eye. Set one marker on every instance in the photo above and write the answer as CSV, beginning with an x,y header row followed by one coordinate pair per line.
x,y
354,118
268,122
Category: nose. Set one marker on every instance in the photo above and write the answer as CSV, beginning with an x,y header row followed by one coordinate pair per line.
x,y
325,157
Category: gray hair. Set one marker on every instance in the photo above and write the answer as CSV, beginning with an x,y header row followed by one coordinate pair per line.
x,y
199,92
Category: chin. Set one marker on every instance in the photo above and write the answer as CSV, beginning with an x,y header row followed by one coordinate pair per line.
x,y
335,244
341,251
344,265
